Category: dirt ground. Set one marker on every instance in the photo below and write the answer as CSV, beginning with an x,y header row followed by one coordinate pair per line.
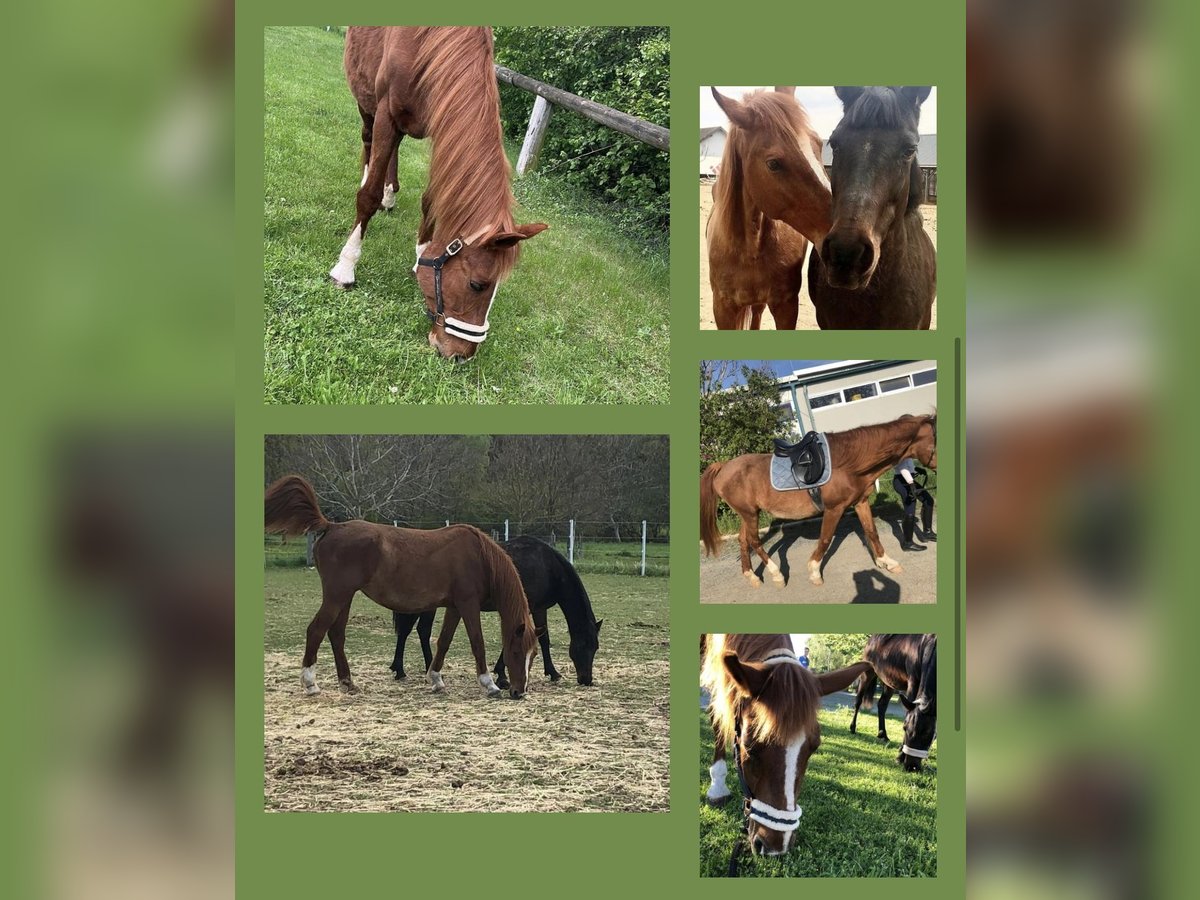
x,y
808,314
850,574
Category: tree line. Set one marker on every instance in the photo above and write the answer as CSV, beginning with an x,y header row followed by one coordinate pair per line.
x,y
526,479
741,418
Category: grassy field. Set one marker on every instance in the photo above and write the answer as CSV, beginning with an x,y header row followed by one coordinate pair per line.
x,y
395,746
584,318
863,815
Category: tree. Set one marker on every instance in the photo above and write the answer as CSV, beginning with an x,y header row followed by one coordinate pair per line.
x,y
740,419
835,651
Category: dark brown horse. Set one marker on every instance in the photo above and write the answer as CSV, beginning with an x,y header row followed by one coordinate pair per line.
x,y
438,83
764,704
407,570
771,199
905,664
857,456
877,268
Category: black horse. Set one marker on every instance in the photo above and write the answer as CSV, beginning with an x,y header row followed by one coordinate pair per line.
x,y
906,665
549,580
864,696
877,268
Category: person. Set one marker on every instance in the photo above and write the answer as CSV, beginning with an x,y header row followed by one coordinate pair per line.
x,y
904,480
803,658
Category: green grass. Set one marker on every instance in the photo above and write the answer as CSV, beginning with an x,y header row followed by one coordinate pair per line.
x,y
583,319
863,815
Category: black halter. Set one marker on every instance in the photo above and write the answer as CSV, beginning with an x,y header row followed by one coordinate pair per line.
x,y
455,327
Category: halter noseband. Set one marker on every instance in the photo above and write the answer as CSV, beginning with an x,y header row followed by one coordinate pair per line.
x,y
476,334
782,820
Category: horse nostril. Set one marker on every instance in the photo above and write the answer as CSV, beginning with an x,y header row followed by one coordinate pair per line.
x,y
757,846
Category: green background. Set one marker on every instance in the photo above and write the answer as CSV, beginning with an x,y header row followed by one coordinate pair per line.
x,y
808,45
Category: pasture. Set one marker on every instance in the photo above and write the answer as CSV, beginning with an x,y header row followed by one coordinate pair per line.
x,y
397,747
583,319
863,815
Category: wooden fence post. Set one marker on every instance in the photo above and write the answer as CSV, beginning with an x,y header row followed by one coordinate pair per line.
x,y
535,134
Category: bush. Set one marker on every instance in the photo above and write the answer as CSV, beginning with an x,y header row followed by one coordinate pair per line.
x,y
626,68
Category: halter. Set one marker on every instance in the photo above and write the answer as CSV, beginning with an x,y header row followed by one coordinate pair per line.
x,y
476,334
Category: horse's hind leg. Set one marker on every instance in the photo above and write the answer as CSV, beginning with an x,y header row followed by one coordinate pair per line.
x,y
756,545
384,137
479,650
718,790
337,640
744,548
863,508
403,624
424,630
449,625
331,608
828,526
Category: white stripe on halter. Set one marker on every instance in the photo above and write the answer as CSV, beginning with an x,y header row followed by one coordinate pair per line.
x,y
775,819
919,754
468,331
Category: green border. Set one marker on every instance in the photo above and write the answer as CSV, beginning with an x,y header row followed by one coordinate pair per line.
x,y
315,852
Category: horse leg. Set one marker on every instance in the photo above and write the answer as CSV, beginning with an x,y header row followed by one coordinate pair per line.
x,y
392,184
424,630
786,311
863,508
885,697
718,791
543,633
331,608
756,545
368,127
479,650
403,623
501,672
337,640
828,526
744,547
756,314
727,316
384,137
449,625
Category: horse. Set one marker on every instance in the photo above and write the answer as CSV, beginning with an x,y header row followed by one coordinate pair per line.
x,y
549,580
877,267
437,83
409,570
764,704
905,664
864,694
772,198
857,457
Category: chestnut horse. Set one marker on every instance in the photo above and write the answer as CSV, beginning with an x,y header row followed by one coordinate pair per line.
x,y
877,268
771,198
764,704
857,457
407,570
438,83
905,664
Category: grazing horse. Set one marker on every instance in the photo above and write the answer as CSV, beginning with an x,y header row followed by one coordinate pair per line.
x,y
771,198
764,704
857,458
905,664
437,83
549,580
410,570
864,695
877,267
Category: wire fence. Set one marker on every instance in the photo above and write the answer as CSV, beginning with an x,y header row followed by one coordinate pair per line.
x,y
631,547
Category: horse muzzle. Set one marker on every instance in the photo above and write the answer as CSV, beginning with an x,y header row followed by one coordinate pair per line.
x,y
850,256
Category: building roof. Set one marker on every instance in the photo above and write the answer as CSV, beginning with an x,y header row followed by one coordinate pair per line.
x,y
709,132
926,152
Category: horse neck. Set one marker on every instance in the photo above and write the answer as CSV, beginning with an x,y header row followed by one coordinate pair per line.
x,y
892,451
577,609
469,185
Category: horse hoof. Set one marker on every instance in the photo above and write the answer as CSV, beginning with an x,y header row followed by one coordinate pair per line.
x,y
502,682
494,692
555,677
778,579
400,676
438,688
717,801
816,579
312,690
348,687
344,285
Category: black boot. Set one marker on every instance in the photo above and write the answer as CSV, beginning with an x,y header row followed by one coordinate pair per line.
x,y
907,530
928,535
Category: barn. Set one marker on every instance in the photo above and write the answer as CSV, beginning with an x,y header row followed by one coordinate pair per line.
x,y
712,146
844,394
926,159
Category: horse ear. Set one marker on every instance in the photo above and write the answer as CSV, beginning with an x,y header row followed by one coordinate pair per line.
x,y
789,89
519,631
511,238
915,95
847,94
736,111
749,677
599,622
840,679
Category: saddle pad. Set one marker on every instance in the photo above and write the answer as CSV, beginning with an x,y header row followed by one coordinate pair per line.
x,y
782,478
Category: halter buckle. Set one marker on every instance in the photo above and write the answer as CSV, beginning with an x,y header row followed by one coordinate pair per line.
x,y
454,247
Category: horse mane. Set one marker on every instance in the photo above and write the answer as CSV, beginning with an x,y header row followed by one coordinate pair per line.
x,y
907,653
859,449
507,591
774,111
880,107
785,708
469,175
292,507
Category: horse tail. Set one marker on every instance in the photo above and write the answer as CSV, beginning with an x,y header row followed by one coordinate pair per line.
x,y
708,510
506,589
291,507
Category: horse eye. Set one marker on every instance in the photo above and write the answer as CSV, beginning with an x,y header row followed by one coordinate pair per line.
x,y
477,286
774,165
910,152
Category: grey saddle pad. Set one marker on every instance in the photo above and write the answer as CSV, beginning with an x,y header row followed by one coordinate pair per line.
x,y
783,479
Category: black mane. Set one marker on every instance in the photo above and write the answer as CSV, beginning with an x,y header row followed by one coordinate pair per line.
x,y
880,107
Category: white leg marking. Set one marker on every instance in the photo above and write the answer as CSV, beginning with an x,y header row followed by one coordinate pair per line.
x,y
776,575
528,663
814,572
366,169
489,684
308,678
718,790
420,250
343,272
389,197
435,679
888,563
755,581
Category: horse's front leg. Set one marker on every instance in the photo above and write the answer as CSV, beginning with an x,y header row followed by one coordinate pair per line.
x,y
392,183
449,625
828,526
863,508
885,697
475,634
331,608
543,633
383,143
718,790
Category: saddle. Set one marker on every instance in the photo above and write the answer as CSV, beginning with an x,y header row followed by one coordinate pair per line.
x,y
807,457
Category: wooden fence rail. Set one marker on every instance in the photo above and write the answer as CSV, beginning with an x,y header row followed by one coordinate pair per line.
x,y
639,129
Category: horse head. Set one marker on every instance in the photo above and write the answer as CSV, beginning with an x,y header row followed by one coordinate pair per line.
x,y
924,443
920,722
519,649
460,278
874,161
583,652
